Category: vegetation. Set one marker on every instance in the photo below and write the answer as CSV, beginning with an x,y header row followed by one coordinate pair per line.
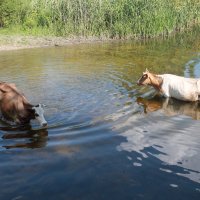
x,y
98,18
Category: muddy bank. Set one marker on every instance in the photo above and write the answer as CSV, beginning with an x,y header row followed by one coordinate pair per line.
x,y
25,42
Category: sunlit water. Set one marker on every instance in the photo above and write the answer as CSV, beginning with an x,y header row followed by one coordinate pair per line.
x,y
107,138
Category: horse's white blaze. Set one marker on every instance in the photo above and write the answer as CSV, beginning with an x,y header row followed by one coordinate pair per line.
x,y
39,115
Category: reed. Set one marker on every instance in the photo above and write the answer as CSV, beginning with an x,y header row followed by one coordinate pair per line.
x,y
99,18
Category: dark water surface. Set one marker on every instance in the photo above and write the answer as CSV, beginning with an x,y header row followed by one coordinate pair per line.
x,y
107,138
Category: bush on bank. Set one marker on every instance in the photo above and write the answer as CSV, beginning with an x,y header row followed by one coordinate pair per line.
x,y
99,18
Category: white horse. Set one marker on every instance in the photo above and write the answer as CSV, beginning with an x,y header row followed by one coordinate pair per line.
x,y
169,85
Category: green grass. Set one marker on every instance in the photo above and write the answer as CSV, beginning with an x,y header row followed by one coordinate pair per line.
x,y
99,18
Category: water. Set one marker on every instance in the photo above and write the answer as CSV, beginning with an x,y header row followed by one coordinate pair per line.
x,y
107,138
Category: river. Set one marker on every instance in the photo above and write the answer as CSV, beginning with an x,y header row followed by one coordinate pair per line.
x,y
107,138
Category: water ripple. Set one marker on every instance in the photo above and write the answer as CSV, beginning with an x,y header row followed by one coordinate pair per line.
x,y
103,130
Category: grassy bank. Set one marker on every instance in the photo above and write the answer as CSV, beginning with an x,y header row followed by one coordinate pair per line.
x,y
98,18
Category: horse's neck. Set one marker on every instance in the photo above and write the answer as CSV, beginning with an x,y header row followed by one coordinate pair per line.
x,y
156,81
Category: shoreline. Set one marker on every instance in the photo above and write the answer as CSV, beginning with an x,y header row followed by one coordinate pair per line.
x,y
17,42
8,43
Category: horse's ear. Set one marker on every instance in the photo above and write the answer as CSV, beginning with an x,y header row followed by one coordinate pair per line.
x,y
40,105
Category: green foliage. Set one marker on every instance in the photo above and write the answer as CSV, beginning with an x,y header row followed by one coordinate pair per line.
x,y
101,18
8,12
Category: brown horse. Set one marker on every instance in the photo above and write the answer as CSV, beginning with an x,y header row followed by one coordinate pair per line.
x,y
15,107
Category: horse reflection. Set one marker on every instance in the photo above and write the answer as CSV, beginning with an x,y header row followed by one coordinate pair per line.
x,y
32,138
170,106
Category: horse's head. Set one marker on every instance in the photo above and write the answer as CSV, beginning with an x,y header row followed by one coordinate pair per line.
x,y
145,79
39,114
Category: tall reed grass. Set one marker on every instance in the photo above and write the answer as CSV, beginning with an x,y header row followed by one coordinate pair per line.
x,y
99,18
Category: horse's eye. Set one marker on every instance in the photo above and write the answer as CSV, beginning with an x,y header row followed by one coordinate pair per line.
x,y
145,76
36,115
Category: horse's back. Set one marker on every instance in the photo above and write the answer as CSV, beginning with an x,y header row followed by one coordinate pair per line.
x,y
181,88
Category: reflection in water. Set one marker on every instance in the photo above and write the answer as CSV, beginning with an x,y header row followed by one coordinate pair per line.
x,y
93,107
171,138
170,106
28,139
